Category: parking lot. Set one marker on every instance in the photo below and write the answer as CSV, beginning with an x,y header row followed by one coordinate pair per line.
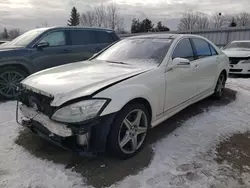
x,y
188,150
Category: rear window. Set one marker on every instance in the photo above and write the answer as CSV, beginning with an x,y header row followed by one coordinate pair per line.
x,y
104,37
202,48
82,37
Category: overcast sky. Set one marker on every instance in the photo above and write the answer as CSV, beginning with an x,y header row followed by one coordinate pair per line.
x,y
27,14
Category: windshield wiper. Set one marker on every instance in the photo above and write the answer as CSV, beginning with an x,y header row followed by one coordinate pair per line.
x,y
117,62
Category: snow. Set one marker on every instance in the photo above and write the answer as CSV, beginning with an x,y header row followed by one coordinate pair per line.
x,y
182,159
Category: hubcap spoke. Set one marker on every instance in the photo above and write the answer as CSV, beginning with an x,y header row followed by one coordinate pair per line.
x,y
128,124
141,130
134,143
138,118
125,140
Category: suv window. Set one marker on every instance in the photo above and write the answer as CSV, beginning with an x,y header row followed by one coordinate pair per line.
x,y
104,37
202,48
56,38
213,51
184,50
82,37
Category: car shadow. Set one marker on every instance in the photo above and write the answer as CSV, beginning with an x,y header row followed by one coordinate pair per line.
x,y
104,170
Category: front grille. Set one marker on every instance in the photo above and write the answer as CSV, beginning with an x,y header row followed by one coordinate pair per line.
x,y
236,60
235,70
38,101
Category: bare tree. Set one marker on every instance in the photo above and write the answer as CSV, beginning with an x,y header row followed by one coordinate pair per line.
x,y
202,21
120,26
219,21
243,19
188,21
101,16
113,17
88,19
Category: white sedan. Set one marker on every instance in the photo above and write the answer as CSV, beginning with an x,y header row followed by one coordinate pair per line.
x,y
239,56
111,101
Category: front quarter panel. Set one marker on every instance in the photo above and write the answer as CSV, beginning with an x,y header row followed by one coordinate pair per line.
x,y
149,86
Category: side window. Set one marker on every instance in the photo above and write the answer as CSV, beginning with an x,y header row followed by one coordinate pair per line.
x,y
213,51
104,37
82,37
202,48
55,39
184,50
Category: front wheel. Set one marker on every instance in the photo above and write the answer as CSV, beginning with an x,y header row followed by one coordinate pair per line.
x,y
129,131
10,77
220,86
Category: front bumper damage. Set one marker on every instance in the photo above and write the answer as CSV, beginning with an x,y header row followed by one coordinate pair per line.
x,y
88,138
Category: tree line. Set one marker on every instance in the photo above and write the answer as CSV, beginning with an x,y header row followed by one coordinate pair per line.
x,y
199,20
9,34
100,16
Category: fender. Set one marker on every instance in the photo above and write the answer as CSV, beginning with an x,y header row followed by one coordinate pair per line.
x,y
19,63
124,92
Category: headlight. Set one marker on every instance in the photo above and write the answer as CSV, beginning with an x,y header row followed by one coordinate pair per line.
x,y
246,61
80,111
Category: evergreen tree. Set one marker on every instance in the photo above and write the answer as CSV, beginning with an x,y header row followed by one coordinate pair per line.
x,y
233,23
74,18
5,34
161,27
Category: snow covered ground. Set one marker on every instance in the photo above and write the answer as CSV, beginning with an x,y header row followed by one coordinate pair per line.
x,y
185,158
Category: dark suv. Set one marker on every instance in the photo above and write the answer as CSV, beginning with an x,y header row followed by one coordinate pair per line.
x,y
44,48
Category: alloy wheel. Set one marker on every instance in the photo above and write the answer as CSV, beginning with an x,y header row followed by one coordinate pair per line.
x,y
220,85
8,83
133,131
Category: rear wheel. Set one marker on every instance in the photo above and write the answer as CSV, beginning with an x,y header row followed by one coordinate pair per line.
x,y
10,77
220,86
129,131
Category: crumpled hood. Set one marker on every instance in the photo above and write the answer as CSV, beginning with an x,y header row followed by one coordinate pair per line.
x,y
237,53
80,79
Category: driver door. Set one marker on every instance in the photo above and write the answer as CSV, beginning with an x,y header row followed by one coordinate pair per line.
x,y
53,55
180,82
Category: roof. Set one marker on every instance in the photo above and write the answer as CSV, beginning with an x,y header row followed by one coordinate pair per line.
x,y
78,27
166,36
155,35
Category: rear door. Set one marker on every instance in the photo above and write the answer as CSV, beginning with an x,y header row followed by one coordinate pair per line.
x,y
104,38
83,44
206,64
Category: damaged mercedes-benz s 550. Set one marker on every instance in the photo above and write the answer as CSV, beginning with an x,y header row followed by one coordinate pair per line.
x,y
109,102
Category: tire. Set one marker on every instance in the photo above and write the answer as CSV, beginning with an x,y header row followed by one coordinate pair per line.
x,y
121,139
220,86
10,77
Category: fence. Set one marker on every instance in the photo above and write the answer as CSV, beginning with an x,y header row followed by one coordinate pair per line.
x,y
220,37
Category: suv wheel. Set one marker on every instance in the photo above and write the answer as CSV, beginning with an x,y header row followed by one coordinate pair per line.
x,y
129,131
10,77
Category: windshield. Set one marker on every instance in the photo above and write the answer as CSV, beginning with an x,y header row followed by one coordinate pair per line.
x,y
26,38
245,45
137,50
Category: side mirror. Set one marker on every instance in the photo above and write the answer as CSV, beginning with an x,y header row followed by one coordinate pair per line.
x,y
42,45
180,63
